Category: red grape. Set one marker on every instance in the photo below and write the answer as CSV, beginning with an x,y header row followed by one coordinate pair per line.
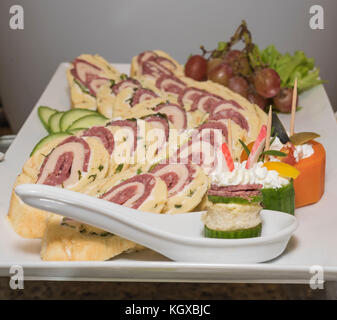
x,y
196,68
221,73
254,97
239,85
213,63
238,61
267,82
283,100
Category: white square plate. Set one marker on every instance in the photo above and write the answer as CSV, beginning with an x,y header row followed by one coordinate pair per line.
x,y
313,244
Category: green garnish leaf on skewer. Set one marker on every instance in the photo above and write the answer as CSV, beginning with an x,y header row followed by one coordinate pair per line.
x,y
244,146
274,153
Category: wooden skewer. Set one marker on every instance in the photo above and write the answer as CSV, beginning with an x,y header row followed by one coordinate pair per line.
x,y
229,127
270,114
267,145
293,109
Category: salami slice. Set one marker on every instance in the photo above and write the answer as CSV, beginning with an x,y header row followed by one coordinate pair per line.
x,y
240,187
62,165
170,84
128,83
141,95
104,135
175,114
234,115
246,191
132,192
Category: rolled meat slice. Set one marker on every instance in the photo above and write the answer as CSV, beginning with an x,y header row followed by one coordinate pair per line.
x,y
205,102
144,192
168,64
154,69
74,163
189,95
104,135
175,114
197,151
186,185
225,105
157,121
234,115
142,95
211,130
126,124
82,69
145,56
94,84
170,84
128,83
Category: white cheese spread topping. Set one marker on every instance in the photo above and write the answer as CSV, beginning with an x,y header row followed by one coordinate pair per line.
x,y
256,175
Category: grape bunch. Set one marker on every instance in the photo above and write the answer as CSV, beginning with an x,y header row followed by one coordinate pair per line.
x,y
242,71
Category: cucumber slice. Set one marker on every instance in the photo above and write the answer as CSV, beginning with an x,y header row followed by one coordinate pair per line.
x,y
72,115
279,199
54,122
219,199
44,114
47,139
235,234
75,131
89,121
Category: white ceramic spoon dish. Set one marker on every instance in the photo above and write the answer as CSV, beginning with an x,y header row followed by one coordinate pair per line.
x,y
178,237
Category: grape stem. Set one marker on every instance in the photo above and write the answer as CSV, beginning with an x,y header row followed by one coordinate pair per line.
x,y
250,50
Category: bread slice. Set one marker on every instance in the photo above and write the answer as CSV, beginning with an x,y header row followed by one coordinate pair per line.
x,y
66,242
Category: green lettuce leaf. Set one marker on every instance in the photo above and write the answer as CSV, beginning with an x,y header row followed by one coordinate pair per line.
x,y
289,67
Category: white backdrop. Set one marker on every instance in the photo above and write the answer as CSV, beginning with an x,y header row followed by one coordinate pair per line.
x,y
56,31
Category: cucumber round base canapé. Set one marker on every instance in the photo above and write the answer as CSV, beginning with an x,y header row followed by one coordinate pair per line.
x,y
234,234
279,199
220,199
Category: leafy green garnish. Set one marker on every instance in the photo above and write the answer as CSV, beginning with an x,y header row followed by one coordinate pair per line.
x,y
119,168
93,177
123,76
79,174
139,171
274,153
101,167
178,206
82,87
289,67
244,146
